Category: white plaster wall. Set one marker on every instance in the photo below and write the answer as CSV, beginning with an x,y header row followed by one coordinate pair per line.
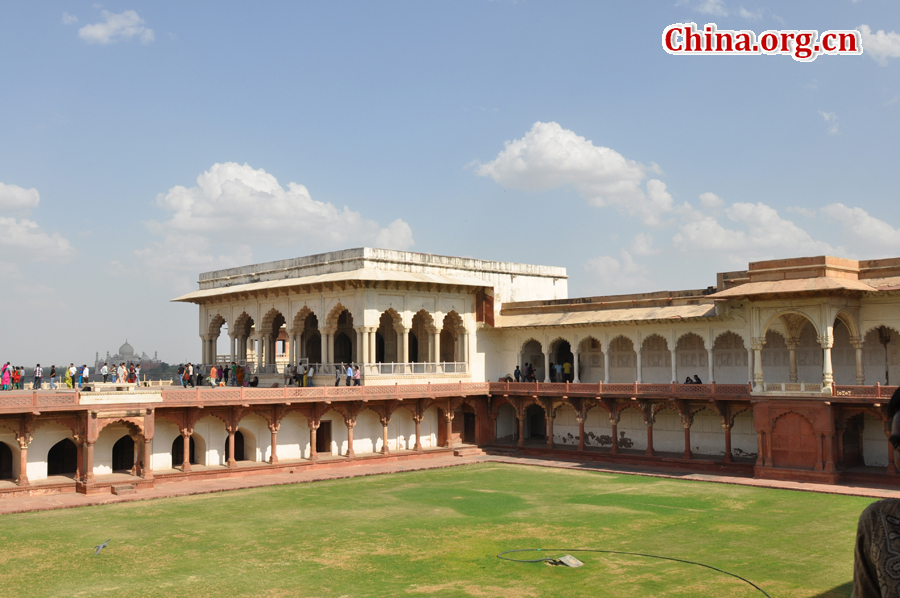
x,y
367,435
164,434
257,438
707,434
212,430
875,447
9,439
293,437
596,424
338,432
565,427
744,440
632,423
45,436
668,433
506,423
402,431
430,427
104,448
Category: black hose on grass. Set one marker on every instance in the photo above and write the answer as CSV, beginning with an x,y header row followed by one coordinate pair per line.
x,y
649,556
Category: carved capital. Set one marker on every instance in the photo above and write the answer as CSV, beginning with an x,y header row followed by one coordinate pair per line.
x,y
856,342
757,343
826,341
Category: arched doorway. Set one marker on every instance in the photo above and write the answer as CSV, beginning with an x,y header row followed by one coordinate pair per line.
x,y
238,446
379,348
413,348
535,422
6,462
387,345
343,348
793,442
178,451
123,454
62,459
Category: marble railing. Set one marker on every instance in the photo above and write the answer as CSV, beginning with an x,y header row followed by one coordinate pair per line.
x,y
632,389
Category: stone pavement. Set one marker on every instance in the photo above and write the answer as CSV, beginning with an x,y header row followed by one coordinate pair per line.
x,y
374,467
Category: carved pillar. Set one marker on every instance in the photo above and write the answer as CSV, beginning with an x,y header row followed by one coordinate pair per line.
x,y
606,367
520,415
403,333
24,440
147,468
323,339
313,426
273,428
727,458
418,419
674,354
686,423
79,458
857,343
614,424
88,462
650,452
465,347
232,341
580,419
826,342
384,435
757,345
548,413
292,346
577,358
330,339
432,358
546,364
186,460
364,346
760,448
204,348
640,367
711,363
448,415
750,366
792,345
350,422
231,462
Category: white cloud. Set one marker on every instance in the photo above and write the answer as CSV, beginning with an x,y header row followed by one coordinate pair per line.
x,y
68,19
234,201
864,231
611,275
880,45
712,7
759,233
17,200
751,15
642,244
831,119
549,156
711,201
806,212
25,240
116,27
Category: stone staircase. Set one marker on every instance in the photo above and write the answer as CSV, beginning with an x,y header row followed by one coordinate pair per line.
x,y
122,489
467,451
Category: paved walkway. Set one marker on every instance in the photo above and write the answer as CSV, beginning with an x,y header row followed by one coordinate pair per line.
x,y
374,467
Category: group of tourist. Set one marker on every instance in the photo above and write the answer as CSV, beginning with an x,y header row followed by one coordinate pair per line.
x,y
301,376
217,375
351,372
12,377
122,373
559,372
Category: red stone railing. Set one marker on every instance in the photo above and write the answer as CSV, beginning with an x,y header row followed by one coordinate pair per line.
x,y
632,389
876,391
35,402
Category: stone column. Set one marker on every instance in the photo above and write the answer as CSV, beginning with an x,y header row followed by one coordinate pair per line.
x,y
260,353
373,337
687,440
350,422
826,342
313,454
548,413
79,459
580,418
273,457
792,345
323,338
331,346
857,343
23,441
614,424
750,366
186,461
758,381
639,364
674,354
606,366
231,462
363,344
712,371
448,415
727,458
521,418
418,419
650,452
231,343
147,468
89,462
546,364
384,435
576,353
204,348
432,358
465,347
403,337
292,342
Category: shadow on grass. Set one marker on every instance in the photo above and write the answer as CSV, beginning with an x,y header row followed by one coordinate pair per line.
x,y
841,591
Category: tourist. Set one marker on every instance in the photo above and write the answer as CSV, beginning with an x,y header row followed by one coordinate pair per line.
x,y
877,546
112,373
688,380
697,379
357,377
220,375
255,382
72,374
104,371
213,375
552,372
181,374
137,373
288,374
308,375
225,371
85,375
239,376
122,374
38,377
17,377
568,372
68,378
52,377
517,373
530,369
349,374
338,370
562,373
5,377
189,374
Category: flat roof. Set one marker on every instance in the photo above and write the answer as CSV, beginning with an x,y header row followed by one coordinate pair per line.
x,y
607,316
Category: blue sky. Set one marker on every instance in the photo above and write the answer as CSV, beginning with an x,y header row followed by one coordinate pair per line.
x,y
143,143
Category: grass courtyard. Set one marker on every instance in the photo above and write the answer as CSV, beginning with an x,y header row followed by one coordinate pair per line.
x,y
436,533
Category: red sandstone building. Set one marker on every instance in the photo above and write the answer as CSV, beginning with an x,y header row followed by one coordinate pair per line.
x,y
797,358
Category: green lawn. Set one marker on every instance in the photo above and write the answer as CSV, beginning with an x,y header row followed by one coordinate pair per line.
x,y
436,533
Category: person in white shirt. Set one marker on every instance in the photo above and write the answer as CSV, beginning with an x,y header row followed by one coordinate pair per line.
x,y
349,374
137,374
121,373
104,371
38,377
85,375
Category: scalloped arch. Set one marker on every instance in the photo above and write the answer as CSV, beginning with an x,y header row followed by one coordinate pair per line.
x,y
796,312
